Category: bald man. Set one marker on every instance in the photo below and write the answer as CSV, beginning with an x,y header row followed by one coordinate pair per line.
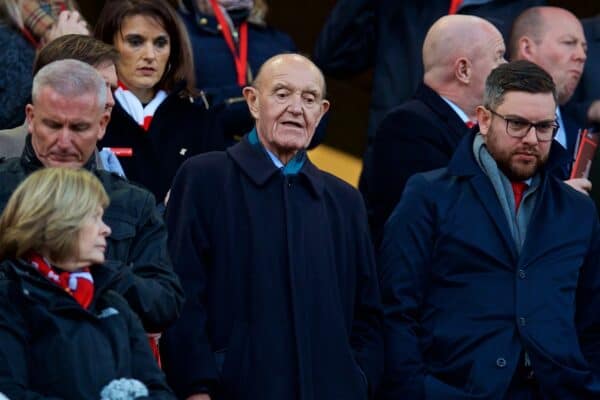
x,y
420,135
275,259
553,38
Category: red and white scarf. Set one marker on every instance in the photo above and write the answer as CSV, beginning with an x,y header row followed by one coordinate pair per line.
x,y
133,106
78,284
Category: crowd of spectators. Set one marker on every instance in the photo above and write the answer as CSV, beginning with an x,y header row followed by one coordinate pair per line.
x,y
164,234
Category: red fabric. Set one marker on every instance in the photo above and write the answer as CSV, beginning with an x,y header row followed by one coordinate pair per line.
x,y
78,284
153,340
454,4
470,124
518,189
240,57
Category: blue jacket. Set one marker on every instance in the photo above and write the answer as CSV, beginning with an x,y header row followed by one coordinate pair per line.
x,y
461,305
280,281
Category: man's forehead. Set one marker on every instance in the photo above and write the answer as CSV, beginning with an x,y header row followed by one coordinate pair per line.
x,y
289,82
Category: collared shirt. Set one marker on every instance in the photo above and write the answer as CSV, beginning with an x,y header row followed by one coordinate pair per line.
x,y
465,118
274,158
561,135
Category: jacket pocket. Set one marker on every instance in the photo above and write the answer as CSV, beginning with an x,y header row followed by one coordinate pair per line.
x,y
121,238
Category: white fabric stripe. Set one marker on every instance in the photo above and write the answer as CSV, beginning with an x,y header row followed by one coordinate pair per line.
x,y
133,106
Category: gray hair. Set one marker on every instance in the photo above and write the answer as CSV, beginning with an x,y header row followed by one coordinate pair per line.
x,y
70,78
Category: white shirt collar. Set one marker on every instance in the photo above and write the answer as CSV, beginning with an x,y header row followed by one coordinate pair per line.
x,y
463,116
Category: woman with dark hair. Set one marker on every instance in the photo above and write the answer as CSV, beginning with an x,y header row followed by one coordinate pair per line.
x,y
64,333
155,124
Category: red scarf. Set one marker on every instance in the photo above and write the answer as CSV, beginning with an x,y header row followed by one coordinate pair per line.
x,y
78,284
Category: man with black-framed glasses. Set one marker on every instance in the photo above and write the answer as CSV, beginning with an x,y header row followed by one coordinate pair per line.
x,y
486,294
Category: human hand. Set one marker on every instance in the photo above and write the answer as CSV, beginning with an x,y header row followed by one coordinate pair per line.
x,y
202,396
580,184
68,22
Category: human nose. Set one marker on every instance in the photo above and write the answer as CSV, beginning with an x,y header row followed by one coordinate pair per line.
x,y
64,138
295,105
580,53
531,135
149,51
105,230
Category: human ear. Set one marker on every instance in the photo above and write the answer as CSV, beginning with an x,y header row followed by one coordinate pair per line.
x,y
251,95
463,70
484,119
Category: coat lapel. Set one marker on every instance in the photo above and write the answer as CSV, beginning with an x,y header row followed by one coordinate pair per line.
x,y
464,165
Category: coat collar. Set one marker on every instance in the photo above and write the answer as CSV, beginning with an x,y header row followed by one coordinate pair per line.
x,y
260,169
31,163
37,287
442,110
464,165
463,161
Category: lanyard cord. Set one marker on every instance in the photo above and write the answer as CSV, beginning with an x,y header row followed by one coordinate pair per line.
x,y
241,58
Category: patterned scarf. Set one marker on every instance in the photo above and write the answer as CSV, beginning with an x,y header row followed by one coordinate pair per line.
x,y
78,284
39,16
133,106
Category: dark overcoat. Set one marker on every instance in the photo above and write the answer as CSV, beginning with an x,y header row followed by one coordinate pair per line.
x,y
281,287
461,304
418,136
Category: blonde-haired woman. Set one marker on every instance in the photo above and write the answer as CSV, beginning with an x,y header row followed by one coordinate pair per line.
x,y
64,332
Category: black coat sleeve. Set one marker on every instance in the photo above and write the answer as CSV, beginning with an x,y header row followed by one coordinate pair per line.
x,y
14,371
346,44
143,364
406,143
403,260
366,337
187,354
148,281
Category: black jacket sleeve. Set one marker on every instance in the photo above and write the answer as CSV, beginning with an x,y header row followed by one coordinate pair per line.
x,y
187,355
346,44
139,244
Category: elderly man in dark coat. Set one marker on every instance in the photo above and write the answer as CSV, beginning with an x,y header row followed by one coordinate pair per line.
x,y
486,294
275,259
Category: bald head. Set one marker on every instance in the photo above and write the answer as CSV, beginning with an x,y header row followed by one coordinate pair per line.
x,y
287,102
277,61
553,38
459,52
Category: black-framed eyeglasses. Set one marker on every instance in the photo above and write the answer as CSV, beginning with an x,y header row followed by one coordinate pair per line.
x,y
519,127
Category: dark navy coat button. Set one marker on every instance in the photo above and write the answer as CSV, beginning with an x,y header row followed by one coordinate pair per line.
x,y
501,362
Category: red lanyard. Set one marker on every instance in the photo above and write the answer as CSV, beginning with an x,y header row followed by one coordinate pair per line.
x,y
241,59
454,4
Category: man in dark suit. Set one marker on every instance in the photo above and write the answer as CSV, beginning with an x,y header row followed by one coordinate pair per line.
x,y
458,54
485,296
553,38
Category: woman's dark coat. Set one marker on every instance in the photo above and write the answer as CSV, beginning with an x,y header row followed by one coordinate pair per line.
x,y
53,348
179,130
